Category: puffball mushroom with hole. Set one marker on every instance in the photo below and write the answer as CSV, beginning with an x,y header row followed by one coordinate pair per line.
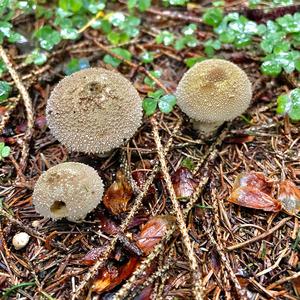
x,y
94,110
68,190
212,92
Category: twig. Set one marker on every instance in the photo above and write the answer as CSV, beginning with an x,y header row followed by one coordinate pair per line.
x,y
283,280
124,225
259,237
28,107
122,293
131,64
198,285
220,248
275,265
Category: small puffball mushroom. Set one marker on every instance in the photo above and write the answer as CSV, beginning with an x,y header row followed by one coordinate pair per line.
x,y
94,110
68,190
20,240
212,92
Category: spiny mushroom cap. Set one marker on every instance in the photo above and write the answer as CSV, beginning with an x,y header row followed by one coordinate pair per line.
x,y
214,90
68,190
94,110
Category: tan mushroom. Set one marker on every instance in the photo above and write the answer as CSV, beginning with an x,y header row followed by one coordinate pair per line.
x,y
68,190
212,92
94,110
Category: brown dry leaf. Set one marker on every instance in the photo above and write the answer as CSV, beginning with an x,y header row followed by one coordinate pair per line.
x,y
107,225
296,284
108,278
118,195
93,255
289,196
239,139
153,231
183,183
254,198
256,180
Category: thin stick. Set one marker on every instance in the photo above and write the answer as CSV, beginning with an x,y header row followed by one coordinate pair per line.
x,y
122,293
198,285
137,204
27,104
259,237
131,64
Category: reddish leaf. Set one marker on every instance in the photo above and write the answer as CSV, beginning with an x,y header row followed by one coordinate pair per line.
x,y
107,225
108,278
140,174
296,284
253,179
183,183
153,231
254,198
239,139
145,294
289,195
93,255
118,194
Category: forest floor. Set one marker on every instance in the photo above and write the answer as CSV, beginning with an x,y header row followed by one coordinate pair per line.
x,y
241,253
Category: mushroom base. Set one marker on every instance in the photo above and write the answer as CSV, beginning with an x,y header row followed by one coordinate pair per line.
x,y
206,128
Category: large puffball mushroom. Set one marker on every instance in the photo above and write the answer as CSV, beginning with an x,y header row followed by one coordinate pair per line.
x,y
94,110
212,92
68,190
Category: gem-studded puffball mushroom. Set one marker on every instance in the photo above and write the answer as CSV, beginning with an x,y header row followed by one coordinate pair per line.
x,y
214,91
68,190
94,110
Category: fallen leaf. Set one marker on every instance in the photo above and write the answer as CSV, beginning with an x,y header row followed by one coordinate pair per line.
x,y
109,277
183,182
153,231
254,198
145,294
239,139
107,225
93,255
289,196
118,195
256,180
296,284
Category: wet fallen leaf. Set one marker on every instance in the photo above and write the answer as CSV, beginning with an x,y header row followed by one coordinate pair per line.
x,y
289,196
107,225
254,198
183,183
145,294
110,277
253,179
118,195
239,139
140,174
296,284
153,231
93,255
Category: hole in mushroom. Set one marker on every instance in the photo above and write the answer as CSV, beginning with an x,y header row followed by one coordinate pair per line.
x,y
59,208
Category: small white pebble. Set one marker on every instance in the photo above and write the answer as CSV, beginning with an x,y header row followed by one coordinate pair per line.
x,y
20,240
35,223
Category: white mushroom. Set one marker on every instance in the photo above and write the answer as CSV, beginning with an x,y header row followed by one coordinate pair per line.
x,y
212,92
69,190
20,240
94,110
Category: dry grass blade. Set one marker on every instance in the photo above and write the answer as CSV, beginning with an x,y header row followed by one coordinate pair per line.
x,y
198,286
28,107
